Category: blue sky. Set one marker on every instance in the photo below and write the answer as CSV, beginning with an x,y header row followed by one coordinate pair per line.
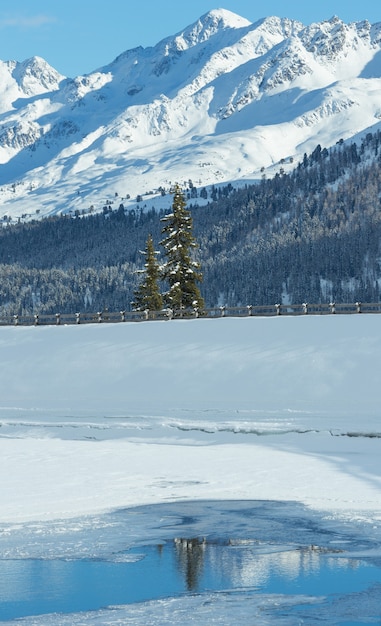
x,y
78,36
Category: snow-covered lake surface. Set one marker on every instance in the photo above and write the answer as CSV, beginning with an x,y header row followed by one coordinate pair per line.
x,y
116,437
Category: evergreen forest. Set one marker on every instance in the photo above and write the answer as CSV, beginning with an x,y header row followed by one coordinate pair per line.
x,y
311,234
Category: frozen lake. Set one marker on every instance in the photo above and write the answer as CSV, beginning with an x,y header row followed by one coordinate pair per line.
x,y
267,553
202,472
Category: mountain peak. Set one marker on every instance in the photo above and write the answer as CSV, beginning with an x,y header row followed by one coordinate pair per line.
x,y
35,75
223,18
208,25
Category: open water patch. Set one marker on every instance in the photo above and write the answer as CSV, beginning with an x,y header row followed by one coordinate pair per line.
x,y
275,560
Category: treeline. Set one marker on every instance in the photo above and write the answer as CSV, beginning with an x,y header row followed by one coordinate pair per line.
x,y
310,235
313,235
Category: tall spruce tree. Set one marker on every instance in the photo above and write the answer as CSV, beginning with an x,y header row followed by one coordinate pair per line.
x,y
180,271
147,295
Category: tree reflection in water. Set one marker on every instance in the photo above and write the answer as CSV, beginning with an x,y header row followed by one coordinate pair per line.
x,y
190,558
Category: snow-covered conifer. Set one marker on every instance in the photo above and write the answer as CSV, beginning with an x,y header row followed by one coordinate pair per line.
x,y
180,271
147,295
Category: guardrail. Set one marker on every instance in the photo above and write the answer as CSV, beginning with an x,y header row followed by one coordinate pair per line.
x,y
102,317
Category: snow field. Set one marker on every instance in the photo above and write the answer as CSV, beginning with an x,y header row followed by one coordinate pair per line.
x,y
99,417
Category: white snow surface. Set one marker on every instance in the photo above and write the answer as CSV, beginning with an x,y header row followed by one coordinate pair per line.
x,y
112,415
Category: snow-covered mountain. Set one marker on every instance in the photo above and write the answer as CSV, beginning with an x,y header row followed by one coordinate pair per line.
x,y
217,102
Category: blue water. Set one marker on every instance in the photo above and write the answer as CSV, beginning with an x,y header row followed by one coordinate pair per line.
x,y
37,586
258,549
70,586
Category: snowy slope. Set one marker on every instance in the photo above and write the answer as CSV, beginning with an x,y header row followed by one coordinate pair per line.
x,y
213,103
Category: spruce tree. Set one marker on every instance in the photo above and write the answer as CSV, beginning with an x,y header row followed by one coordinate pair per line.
x,y
180,271
147,296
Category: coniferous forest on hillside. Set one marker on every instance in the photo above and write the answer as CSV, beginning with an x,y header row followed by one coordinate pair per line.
x,y
310,235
